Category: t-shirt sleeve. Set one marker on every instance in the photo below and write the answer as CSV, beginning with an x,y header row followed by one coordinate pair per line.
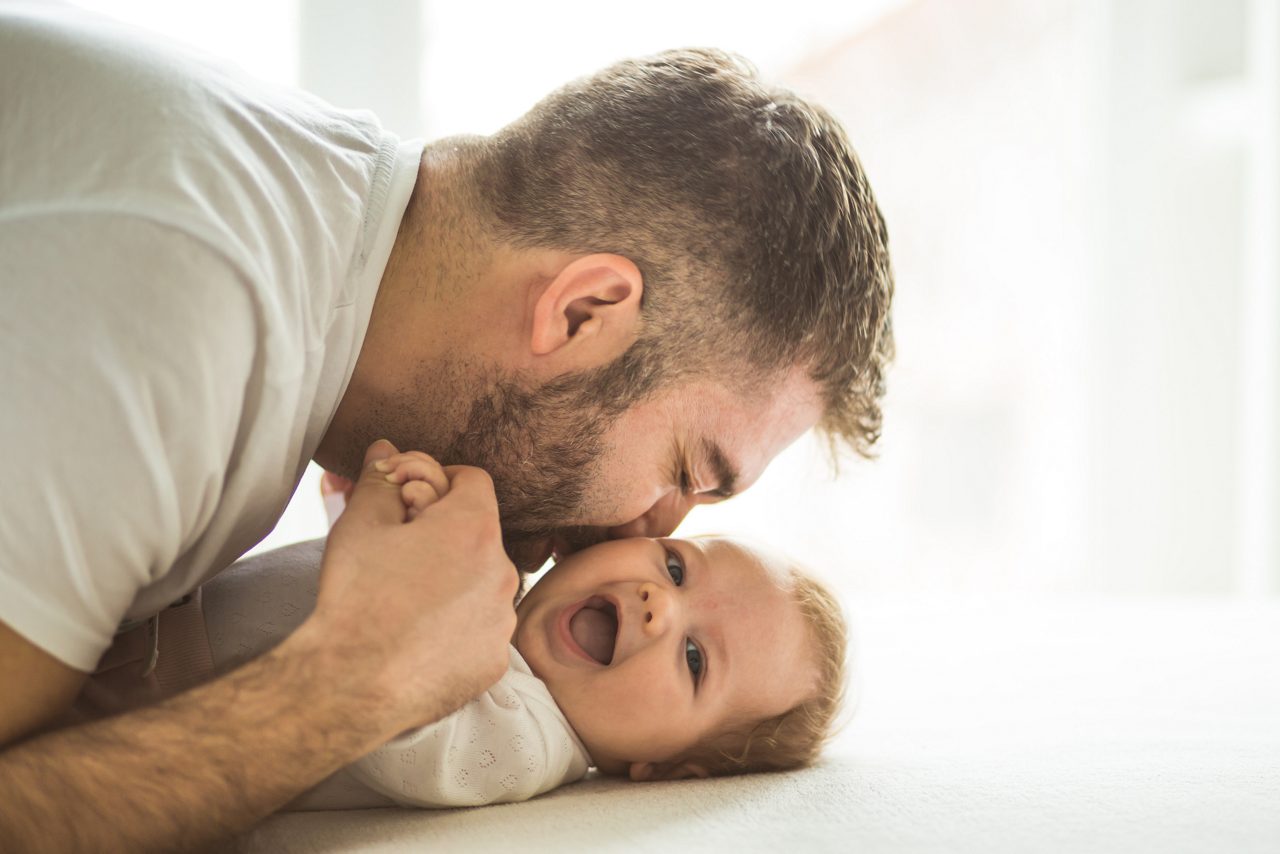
x,y
501,747
125,348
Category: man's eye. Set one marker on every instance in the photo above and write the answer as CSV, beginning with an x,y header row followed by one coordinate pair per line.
x,y
675,568
693,655
685,483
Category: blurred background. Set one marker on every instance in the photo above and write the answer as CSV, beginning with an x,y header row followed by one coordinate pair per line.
x,y
1084,207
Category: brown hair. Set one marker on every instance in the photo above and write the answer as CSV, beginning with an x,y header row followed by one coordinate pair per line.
x,y
743,205
794,738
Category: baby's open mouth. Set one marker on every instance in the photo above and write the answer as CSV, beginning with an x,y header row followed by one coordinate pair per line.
x,y
595,628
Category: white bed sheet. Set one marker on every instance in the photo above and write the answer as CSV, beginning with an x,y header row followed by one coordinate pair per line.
x,y
986,725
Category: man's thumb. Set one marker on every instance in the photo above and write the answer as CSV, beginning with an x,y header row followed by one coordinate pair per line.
x,y
374,497
379,450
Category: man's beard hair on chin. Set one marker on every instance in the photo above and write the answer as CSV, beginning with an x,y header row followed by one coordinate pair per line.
x,y
542,448
527,549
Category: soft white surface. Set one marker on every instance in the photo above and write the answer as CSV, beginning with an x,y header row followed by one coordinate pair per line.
x,y
986,726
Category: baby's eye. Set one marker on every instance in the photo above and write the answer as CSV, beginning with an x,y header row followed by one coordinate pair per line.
x,y
675,568
693,655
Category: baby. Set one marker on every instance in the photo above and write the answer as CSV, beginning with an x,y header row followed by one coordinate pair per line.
x,y
652,659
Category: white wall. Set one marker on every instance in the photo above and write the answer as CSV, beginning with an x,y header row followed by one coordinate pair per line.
x,y
1184,431
365,56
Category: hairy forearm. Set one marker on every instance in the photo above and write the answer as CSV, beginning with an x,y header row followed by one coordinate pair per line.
x,y
197,767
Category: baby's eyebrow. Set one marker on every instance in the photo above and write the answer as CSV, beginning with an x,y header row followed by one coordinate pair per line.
x,y
717,662
721,661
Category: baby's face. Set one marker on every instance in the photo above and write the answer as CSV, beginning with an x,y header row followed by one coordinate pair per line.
x,y
651,646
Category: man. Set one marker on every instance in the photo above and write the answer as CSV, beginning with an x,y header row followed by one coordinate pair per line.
x,y
622,305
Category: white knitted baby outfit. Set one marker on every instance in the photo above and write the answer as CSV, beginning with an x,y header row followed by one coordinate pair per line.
x,y
509,744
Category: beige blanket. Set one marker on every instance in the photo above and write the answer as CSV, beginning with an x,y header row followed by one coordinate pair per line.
x,y
987,726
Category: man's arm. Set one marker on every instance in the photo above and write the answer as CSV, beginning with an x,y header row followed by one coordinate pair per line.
x,y
413,619
198,766
44,686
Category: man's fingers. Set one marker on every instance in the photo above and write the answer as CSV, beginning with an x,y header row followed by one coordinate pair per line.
x,y
473,488
417,495
374,498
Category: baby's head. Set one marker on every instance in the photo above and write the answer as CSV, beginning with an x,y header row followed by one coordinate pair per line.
x,y
676,658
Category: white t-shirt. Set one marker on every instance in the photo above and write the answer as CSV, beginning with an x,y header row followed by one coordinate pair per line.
x,y
188,261
509,744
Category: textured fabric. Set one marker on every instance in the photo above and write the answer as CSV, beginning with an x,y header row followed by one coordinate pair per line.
x,y
987,726
132,672
188,261
509,744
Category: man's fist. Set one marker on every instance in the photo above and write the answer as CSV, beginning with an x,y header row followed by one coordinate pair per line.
x,y
415,588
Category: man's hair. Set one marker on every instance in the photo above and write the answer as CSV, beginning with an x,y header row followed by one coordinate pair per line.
x,y
796,737
744,207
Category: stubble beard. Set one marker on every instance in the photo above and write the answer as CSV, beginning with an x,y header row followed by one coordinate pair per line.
x,y
543,449
541,446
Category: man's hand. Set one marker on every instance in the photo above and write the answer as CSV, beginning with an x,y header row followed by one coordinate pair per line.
x,y
416,590
422,480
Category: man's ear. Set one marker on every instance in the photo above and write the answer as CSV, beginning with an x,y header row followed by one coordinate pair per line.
x,y
646,771
589,312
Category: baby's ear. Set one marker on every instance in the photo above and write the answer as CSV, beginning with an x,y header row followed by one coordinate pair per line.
x,y
645,771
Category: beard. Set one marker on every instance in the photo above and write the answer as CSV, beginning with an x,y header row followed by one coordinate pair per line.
x,y
542,447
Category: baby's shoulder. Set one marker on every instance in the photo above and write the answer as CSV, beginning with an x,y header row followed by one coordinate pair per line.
x,y
508,744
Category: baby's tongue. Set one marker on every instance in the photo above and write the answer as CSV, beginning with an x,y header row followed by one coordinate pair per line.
x,y
594,631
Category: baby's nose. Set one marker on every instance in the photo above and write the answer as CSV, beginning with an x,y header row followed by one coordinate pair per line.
x,y
657,607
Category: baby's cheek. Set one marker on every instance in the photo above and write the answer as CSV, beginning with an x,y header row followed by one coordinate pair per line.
x,y
600,703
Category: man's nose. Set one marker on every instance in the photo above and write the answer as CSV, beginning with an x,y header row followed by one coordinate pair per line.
x,y
657,608
659,520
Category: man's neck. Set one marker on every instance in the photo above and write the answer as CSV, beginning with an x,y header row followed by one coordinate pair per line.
x,y
420,308
453,313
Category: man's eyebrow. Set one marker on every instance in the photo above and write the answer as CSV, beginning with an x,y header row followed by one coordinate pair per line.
x,y
724,472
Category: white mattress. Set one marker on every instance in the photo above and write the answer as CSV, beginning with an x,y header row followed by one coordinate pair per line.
x,y
999,725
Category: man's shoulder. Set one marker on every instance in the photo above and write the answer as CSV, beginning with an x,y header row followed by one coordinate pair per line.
x,y
86,253
97,112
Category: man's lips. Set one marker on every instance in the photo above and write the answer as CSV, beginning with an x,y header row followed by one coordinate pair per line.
x,y
566,636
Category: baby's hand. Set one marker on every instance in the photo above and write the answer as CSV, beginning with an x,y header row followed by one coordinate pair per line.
x,y
335,490
424,481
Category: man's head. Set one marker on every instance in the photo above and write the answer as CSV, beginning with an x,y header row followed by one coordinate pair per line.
x,y
668,245
674,658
